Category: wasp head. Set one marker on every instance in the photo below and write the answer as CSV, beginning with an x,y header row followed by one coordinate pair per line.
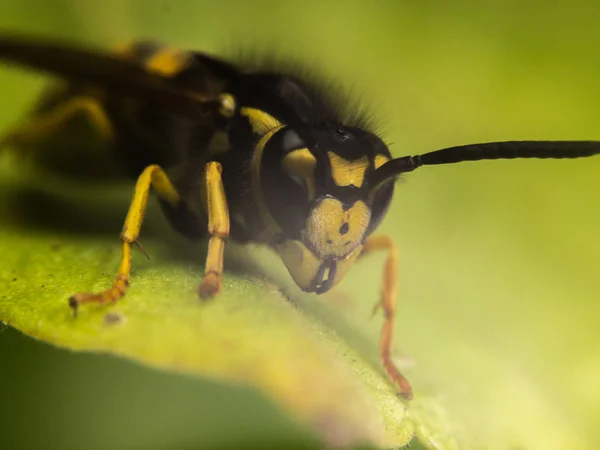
x,y
319,195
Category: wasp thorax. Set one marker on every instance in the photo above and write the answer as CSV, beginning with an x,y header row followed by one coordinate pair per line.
x,y
334,229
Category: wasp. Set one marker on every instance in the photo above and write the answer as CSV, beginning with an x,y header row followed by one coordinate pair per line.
x,y
259,155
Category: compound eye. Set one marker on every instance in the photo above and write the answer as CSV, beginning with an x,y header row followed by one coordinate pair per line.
x,y
290,140
287,179
380,205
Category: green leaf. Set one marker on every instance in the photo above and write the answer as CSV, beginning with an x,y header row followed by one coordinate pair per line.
x,y
54,246
499,300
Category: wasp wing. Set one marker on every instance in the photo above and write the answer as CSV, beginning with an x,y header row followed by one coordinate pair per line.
x,y
105,70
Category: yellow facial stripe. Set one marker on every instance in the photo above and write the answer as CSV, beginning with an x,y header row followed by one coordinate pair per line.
x,y
347,173
260,121
302,163
304,266
168,61
272,228
332,231
380,160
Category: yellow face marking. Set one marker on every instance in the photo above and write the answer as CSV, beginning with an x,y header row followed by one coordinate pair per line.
x,y
168,62
331,231
260,121
347,173
301,163
272,228
380,160
304,266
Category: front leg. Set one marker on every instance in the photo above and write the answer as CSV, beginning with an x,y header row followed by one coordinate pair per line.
x,y
389,292
218,229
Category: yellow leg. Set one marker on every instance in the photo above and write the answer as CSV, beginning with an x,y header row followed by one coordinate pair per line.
x,y
152,177
47,123
389,291
218,228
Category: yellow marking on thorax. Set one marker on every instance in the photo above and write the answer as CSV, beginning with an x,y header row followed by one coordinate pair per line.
x,y
301,163
348,173
260,121
333,231
168,61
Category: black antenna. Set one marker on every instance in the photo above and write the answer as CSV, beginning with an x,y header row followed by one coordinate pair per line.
x,y
490,150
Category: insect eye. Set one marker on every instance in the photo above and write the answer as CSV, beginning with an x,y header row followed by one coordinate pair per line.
x,y
297,179
286,196
287,169
380,205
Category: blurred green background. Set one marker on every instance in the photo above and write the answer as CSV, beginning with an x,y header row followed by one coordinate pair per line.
x,y
498,306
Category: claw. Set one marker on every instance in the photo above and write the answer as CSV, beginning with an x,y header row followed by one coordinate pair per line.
x,y
74,304
211,285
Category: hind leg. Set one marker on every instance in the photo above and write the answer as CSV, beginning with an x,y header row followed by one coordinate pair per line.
x,y
44,125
